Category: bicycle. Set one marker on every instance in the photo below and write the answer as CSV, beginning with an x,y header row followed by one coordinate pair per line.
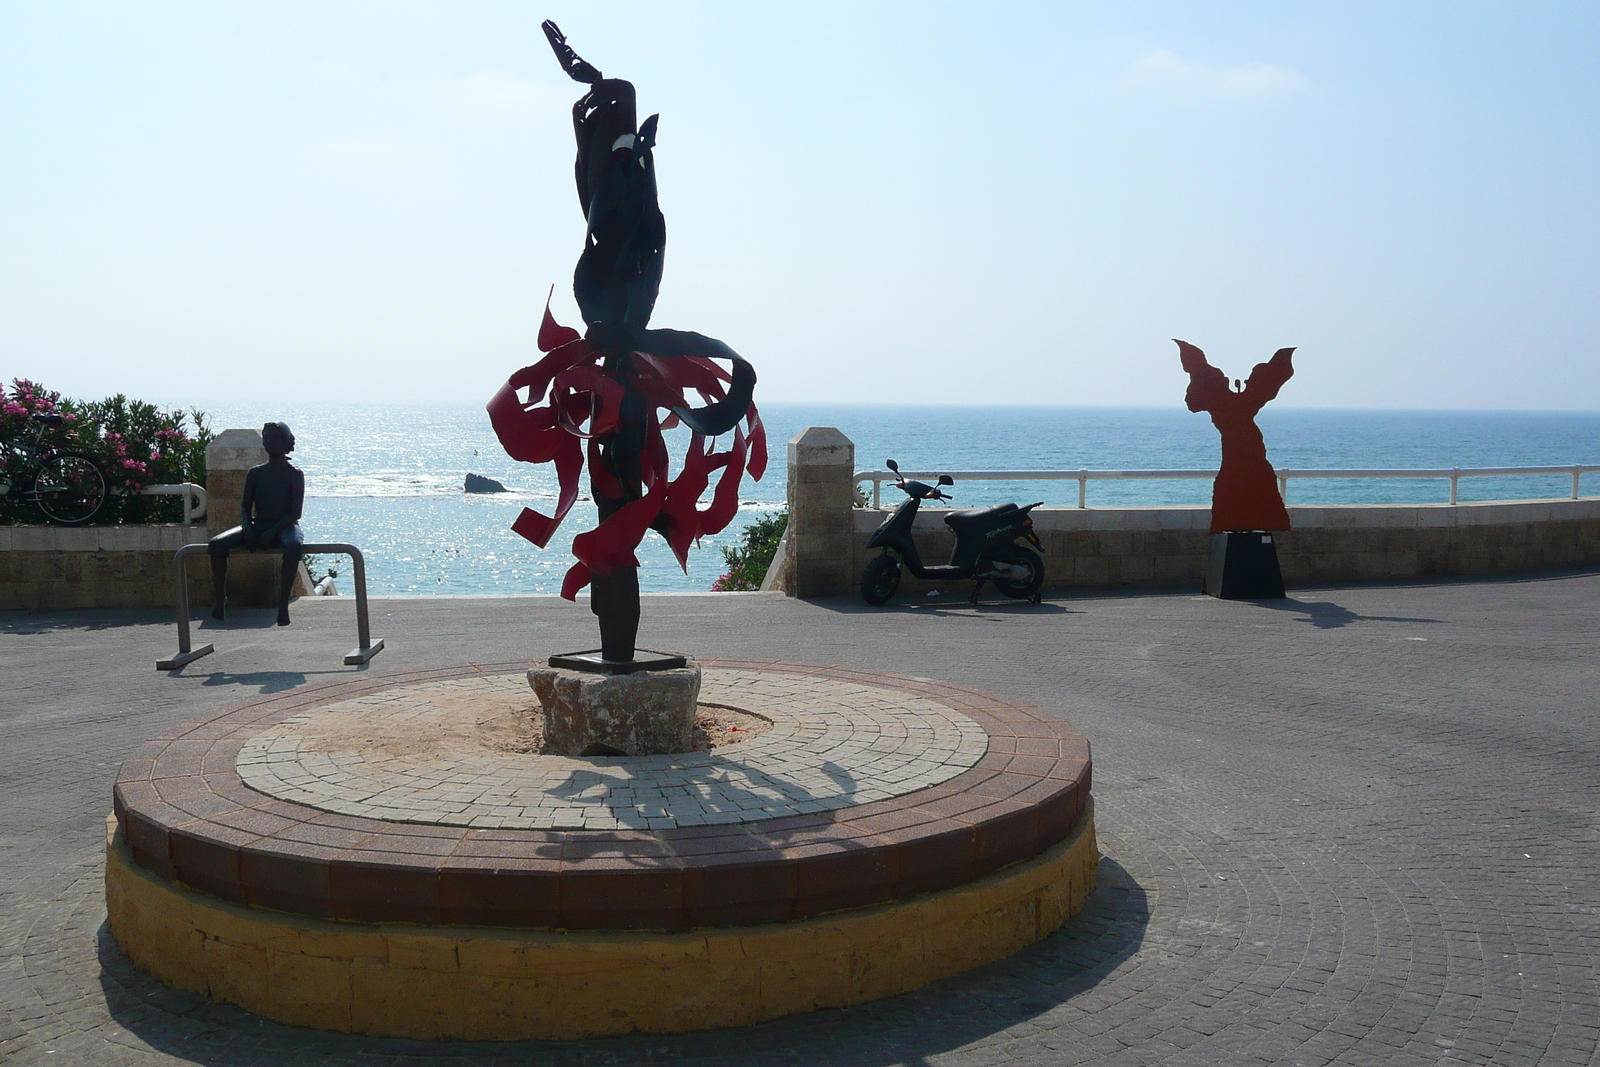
x,y
68,488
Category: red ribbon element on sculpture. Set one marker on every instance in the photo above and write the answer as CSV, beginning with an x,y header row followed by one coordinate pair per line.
x,y
549,412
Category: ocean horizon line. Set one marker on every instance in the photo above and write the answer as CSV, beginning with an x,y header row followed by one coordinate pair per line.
x,y
445,404
390,477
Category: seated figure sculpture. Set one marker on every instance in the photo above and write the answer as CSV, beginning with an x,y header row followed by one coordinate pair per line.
x,y
269,517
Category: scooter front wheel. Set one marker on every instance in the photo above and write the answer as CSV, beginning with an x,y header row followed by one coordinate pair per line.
x,y
1026,588
880,579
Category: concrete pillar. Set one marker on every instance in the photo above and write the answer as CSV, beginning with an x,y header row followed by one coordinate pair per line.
x,y
252,580
229,455
822,466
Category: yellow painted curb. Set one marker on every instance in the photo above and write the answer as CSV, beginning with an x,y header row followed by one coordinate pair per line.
x,y
490,983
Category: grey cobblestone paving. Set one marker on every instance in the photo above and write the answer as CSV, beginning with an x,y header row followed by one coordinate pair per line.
x,y
1359,826
833,744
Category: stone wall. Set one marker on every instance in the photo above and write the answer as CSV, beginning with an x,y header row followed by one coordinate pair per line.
x,y
1167,547
50,567
1437,540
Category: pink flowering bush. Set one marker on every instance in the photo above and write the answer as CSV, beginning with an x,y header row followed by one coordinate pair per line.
x,y
135,443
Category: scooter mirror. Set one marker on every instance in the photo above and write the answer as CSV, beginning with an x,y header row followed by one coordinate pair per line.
x,y
945,479
892,465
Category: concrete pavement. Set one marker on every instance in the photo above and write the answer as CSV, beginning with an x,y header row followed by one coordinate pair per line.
x,y
1357,826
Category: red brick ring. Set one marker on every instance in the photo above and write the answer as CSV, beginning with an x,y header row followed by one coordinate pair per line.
x,y
188,817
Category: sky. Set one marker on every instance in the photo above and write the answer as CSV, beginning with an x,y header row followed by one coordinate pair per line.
x,y
911,203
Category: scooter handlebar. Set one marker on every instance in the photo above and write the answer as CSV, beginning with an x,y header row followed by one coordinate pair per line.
x,y
921,490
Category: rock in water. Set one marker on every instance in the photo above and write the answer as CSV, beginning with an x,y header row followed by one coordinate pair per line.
x,y
477,483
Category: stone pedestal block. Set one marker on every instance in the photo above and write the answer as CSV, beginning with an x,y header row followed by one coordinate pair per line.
x,y
821,495
228,457
643,714
252,580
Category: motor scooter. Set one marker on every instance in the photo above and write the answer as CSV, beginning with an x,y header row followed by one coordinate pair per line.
x,y
984,546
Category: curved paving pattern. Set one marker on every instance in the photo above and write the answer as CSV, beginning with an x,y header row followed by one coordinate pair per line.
x,y
834,744
1356,827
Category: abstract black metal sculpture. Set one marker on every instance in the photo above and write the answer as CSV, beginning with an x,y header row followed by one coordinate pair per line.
x,y
616,388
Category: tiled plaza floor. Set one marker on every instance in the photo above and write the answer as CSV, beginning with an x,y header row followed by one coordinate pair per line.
x,y
1358,826
832,744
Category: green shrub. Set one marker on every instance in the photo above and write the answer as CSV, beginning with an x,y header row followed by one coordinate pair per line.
x,y
318,568
137,444
748,561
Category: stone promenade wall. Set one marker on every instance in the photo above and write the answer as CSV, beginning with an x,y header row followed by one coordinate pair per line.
x,y
49,567
1107,547
1099,547
45,568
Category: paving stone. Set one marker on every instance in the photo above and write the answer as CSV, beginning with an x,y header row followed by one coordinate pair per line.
x,y
833,744
1406,827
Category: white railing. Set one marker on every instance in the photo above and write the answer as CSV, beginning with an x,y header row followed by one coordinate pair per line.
x,y
194,498
1083,477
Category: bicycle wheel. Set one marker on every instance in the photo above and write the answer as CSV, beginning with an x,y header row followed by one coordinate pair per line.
x,y
70,489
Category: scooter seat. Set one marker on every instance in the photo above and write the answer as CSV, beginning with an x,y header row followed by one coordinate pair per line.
x,y
977,516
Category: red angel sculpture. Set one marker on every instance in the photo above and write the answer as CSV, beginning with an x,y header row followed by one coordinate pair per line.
x,y
1245,495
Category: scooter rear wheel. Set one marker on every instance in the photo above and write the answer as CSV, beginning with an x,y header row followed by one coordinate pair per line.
x,y
880,579
1021,588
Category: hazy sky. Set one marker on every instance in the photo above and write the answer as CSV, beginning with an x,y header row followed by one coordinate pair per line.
x,y
872,202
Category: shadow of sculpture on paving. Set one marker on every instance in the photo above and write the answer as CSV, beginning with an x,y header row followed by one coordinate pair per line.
x,y
1246,507
603,399
953,606
906,1029
708,773
1325,615
264,682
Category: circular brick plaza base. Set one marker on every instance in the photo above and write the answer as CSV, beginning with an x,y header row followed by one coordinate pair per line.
x,y
886,831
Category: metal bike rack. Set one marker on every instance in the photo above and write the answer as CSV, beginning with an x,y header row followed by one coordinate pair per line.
x,y
186,654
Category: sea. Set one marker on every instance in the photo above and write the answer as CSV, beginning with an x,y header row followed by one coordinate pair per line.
x,y
390,478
